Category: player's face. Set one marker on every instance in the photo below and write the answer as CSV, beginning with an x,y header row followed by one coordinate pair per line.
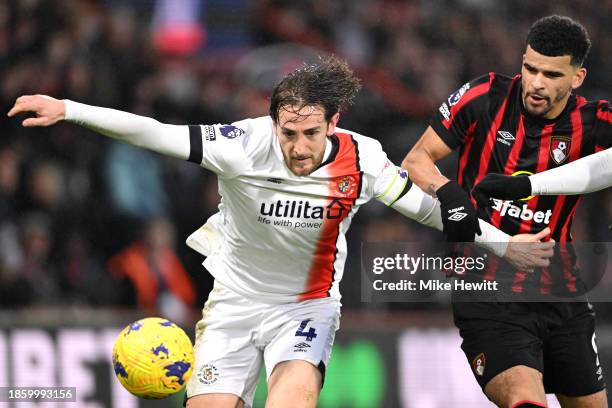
x,y
548,82
302,135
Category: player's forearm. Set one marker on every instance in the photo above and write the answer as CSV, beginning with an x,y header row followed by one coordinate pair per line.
x,y
423,208
591,173
137,130
423,171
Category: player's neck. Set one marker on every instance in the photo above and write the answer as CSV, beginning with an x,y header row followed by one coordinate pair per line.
x,y
558,109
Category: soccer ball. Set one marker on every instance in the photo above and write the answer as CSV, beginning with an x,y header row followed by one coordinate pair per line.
x,y
153,358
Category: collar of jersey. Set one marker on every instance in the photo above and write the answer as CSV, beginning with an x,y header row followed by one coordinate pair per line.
x,y
331,151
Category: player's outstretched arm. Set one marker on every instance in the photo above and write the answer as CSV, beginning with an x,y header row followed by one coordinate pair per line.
x,y
591,173
134,129
48,110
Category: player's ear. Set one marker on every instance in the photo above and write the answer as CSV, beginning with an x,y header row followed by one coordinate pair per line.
x,y
579,77
331,126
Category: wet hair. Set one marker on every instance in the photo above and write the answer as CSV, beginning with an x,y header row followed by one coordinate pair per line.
x,y
556,36
330,83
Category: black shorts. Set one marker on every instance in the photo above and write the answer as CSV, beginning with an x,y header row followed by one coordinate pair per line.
x,y
556,339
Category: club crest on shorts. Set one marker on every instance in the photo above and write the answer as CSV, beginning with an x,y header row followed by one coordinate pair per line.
x,y
478,364
346,185
560,148
208,374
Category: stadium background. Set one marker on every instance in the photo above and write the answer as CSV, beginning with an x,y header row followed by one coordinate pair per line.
x,y
78,212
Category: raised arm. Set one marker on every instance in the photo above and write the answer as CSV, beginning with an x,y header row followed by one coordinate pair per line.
x,y
421,162
460,223
137,130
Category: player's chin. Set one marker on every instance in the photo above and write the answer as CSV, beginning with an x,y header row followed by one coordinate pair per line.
x,y
537,110
300,169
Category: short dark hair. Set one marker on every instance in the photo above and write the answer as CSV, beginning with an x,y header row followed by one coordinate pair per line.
x,y
556,36
329,83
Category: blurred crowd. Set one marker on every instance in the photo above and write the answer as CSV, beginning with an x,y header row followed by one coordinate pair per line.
x,y
88,221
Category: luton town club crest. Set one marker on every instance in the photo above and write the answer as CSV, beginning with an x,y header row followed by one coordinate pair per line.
x,y
346,185
560,148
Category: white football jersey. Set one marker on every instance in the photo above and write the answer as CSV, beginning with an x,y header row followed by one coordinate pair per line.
x,y
278,237
283,236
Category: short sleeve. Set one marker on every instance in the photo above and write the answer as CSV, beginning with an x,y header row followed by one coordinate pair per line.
x,y
461,110
219,148
391,184
603,127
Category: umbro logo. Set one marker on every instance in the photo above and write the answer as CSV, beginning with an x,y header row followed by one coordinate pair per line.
x,y
301,347
505,137
457,215
274,180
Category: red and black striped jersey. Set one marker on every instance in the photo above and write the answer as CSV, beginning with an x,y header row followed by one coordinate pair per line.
x,y
485,119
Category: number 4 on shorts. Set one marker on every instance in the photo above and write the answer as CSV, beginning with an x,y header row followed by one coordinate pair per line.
x,y
310,334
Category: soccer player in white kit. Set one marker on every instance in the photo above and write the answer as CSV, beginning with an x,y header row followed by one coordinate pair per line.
x,y
290,184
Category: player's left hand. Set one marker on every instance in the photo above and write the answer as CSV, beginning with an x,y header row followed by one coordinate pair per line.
x,y
459,219
500,186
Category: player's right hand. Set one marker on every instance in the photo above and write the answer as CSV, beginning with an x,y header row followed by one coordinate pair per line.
x,y
502,187
459,220
527,251
48,110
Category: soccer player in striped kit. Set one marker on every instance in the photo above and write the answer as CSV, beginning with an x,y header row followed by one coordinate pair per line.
x,y
524,124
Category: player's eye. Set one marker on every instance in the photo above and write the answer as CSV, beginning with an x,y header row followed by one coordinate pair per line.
x,y
553,74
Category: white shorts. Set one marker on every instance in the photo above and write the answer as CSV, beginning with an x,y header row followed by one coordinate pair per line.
x,y
237,334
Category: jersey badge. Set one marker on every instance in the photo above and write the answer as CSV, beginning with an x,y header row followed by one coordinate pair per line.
x,y
346,185
444,111
456,97
560,148
209,133
230,131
